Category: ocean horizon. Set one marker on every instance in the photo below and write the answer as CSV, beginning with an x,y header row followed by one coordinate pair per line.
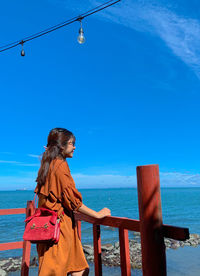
x,y
102,188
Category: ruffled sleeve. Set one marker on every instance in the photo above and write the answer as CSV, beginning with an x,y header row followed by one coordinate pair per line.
x,y
71,197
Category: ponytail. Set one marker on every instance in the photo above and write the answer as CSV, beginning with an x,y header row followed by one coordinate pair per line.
x,y
57,140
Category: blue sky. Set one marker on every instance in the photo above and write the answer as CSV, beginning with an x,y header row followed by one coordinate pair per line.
x,y
130,94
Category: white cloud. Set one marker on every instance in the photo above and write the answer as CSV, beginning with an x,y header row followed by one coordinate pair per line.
x,y
30,164
84,181
181,34
33,155
11,162
177,179
170,179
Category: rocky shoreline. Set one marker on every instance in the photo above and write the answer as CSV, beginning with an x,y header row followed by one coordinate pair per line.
x,y
110,253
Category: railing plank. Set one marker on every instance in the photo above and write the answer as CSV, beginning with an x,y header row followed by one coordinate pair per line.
x,y
130,224
124,252
97,250
11,245
176,233
172,232
12,211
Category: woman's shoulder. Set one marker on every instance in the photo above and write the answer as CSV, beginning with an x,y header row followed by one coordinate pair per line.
x,y
59,166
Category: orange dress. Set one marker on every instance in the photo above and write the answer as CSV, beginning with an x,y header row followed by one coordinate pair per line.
x,y
60,194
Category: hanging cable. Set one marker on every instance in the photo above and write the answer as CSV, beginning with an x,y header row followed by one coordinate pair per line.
x,y
58,26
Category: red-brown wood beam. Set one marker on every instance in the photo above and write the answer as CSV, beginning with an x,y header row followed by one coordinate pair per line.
x,y
124,252
172,232
130,224
11,245
26,244
176,233
152,239
12,211
97,250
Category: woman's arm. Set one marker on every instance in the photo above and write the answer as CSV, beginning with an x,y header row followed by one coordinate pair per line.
x,y
87,211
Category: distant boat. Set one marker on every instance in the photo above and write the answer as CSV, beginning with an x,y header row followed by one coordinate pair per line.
x,y
23,189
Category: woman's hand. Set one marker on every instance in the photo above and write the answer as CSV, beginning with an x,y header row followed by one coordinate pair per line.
x,y
104,213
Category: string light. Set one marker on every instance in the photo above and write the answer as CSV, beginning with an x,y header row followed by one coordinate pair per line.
x,y
22,51
81,38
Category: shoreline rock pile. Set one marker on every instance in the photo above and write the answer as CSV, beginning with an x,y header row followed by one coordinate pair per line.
x,y
110,253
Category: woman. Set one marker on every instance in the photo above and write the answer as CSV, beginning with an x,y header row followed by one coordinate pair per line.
x,y
56,190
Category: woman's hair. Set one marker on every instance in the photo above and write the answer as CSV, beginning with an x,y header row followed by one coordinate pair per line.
x,y
57,140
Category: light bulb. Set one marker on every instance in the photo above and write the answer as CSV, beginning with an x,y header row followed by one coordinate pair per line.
x,y
22,53
81,38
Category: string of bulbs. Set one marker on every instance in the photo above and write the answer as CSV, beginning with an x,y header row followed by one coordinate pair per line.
x,y
81,37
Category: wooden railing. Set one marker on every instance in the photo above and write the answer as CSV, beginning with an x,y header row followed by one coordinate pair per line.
x,y
124,225
19,244
150,226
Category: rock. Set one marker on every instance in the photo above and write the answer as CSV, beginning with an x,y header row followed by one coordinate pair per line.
x,y
194,239
3,262
194,236
90,258
107,247
167,242
175,245
116,244
193,242
187,243
8,265
111,256
182,243
88,249
115,251
2,272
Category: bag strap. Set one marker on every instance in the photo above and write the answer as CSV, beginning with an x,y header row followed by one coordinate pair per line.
x,y
44,212
35,201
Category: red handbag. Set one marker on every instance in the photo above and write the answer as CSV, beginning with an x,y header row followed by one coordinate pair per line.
x,y
42,227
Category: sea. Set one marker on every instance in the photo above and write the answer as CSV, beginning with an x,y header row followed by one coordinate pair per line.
x,y
180,207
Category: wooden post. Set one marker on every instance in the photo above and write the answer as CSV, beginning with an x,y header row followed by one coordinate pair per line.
x,y
27,244
124,252
97,250
152,239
